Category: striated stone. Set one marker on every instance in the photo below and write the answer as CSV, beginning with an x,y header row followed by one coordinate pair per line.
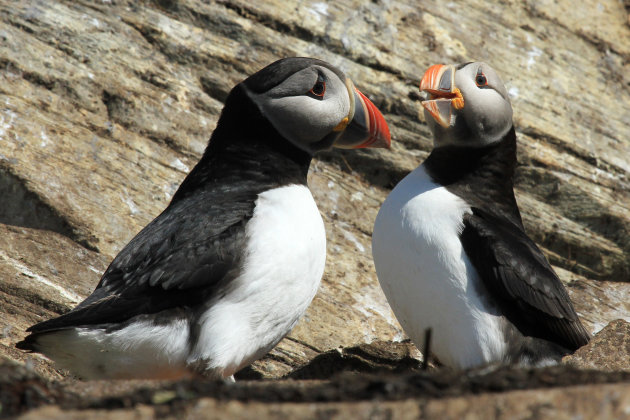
x,y
42,274
21,389
609,350
609,401
502,393
376,357
106,106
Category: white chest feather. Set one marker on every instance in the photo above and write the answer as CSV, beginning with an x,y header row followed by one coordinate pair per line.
x,y
427,278
283,266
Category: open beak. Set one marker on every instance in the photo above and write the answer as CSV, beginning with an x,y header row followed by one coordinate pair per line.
x,y
439,82
364,126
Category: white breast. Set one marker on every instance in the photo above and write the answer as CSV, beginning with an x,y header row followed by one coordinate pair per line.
x,y
426,276
284,264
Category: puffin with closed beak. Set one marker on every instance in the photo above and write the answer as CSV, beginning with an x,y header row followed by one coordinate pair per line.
x,y
449,246
229,267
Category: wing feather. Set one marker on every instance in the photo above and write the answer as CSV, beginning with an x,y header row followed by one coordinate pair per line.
x,y
518,276
183,257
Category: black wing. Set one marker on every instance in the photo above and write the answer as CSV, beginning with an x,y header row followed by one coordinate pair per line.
x,y
516,274
181,258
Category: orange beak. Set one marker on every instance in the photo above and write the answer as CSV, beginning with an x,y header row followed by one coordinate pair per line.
x,y
439,82
365,126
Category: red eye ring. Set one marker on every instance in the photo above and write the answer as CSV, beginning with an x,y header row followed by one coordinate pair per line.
x,y
480,79
318,89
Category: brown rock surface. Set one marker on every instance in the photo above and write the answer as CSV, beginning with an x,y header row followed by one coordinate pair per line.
x,y
609,350
487,393
580,402
106,105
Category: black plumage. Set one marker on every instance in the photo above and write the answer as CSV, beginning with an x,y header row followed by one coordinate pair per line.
x,y
276,74
195,246
230,266
514,272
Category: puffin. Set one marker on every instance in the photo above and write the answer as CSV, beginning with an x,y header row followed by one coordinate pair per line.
x,y
449,247
228,268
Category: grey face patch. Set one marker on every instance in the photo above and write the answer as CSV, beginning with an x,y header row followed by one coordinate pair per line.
x,y
487,113
301,117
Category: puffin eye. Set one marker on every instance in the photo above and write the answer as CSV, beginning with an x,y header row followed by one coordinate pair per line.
x,y
319,88
480,79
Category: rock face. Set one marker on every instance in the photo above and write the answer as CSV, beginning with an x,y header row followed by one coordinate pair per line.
x,y
105,106
558,392
609,350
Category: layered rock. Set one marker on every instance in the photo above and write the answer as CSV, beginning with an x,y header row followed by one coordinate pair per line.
x,y
105,106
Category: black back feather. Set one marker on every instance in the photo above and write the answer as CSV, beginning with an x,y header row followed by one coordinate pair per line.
x,y
514,272
194,248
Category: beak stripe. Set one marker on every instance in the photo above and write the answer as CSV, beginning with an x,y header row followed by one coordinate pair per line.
x,y
446,80
364,126
431,79
439,82
379,130
440,110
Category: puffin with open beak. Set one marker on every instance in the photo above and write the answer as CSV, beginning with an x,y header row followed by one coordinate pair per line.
x,y
229,267
449,246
